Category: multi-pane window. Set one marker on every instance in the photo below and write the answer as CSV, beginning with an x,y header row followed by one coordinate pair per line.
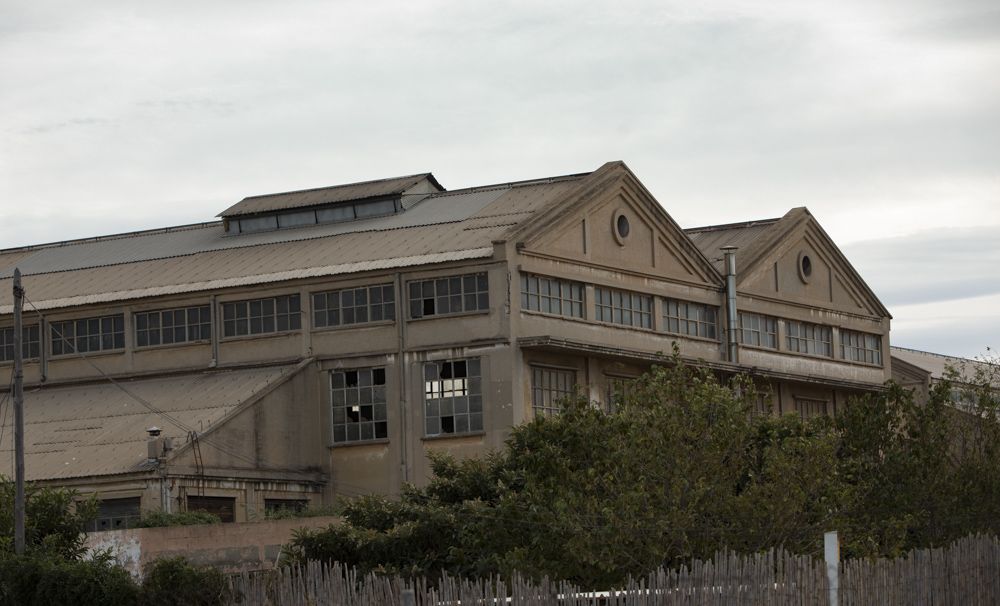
x,y
809,407
279,507
623,307
861,347
550,388
359,405
168,326
453,397
686,318
618,389
758,330
806,338
30,343
452,295
116,514
552,296
88,334
354,305
261,316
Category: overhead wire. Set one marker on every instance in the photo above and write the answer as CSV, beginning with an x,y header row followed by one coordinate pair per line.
x,y
142,401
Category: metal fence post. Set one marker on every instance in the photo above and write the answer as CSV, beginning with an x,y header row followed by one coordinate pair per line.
x,y
831,553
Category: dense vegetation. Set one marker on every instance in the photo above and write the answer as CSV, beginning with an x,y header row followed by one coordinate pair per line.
x,y
681,469
53,569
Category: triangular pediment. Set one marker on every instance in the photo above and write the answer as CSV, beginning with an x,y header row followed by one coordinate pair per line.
x,y
797,261
613,221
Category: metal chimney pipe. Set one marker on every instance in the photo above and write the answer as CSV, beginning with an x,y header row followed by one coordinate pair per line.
x,y
729,257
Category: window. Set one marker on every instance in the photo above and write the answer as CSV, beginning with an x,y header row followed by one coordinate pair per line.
x,y
89,334
623,307
758,330
116,514
808,338
452,295
173,326
694,319
261,316
276,507
30,343
549,388
354,306
809,408
552,296
619,388
224,507
359,405
861,347
453,397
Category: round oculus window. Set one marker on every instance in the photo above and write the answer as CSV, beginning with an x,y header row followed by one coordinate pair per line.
x,y
805,267
621,227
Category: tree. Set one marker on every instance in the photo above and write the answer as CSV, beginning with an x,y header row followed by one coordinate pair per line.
x,y
55,519
680,470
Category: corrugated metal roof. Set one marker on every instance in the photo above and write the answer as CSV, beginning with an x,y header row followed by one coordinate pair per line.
x,y
711,238
96,429
938,364
327,195
445,227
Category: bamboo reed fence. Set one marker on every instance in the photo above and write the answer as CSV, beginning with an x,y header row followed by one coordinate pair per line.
x,y
966,572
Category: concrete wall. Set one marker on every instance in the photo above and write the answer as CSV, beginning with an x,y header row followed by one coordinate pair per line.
x,y
229,547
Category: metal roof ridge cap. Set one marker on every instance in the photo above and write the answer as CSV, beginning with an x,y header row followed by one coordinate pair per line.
x,y
353,183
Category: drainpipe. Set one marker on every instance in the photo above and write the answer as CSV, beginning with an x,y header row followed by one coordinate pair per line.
x,y
729,255
401,311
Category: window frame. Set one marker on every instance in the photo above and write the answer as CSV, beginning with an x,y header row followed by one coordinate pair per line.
x,y
274,316
686,320
760,331
187,309
549,394
26,343
615,304
368,289
860,347
358,390
807,337
471,391
563,296
65,342
431,285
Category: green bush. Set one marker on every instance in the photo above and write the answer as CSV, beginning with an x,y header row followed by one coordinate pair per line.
x,y
54,519
156,519
177,582
48,580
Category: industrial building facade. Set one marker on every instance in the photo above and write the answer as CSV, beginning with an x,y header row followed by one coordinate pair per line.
x,y
318,344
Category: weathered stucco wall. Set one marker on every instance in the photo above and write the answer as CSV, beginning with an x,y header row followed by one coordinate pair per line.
x,y
230,547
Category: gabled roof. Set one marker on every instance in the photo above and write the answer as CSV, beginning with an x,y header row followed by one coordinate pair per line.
x,y
96,429
938,364
444,226
710,239
348,192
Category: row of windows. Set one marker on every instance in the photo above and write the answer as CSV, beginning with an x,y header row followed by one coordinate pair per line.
x,y
283,313
813,339
565,298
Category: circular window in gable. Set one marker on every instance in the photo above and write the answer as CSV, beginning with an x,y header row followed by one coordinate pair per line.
x,y
620,227
805,267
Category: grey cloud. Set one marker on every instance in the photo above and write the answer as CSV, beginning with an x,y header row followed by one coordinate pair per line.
x,y
940,265
48,127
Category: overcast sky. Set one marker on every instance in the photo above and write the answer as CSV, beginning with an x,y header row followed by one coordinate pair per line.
x,y
882,117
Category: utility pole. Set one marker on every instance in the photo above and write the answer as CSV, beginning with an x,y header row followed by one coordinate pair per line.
x,y
18,418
